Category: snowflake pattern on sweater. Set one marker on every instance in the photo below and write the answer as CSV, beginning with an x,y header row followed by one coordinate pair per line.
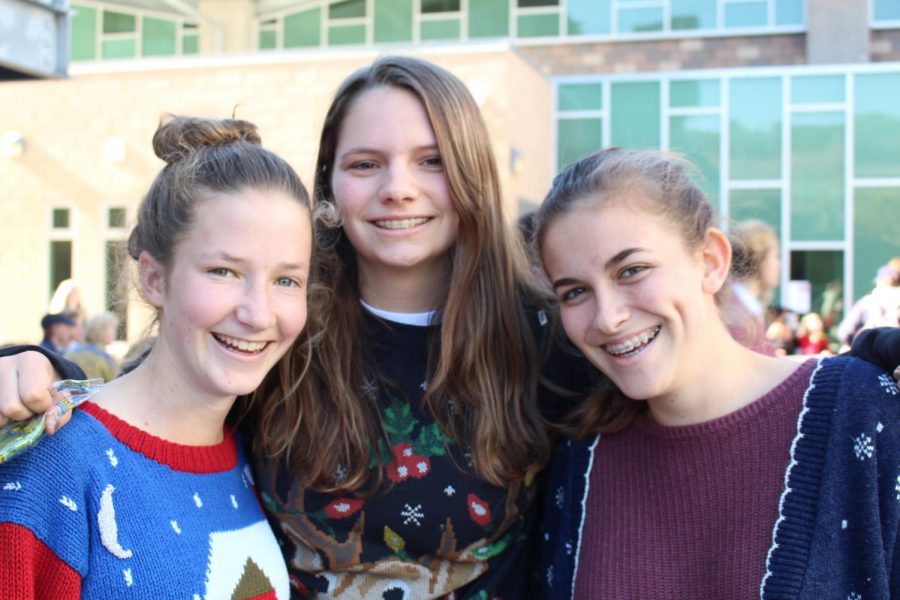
x,y
137,517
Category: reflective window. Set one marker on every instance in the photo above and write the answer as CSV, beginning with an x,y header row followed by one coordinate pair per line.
x,y
755,128
817,176
877,125
635,115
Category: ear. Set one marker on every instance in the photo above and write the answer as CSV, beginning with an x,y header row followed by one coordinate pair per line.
x,y
716,256
152,278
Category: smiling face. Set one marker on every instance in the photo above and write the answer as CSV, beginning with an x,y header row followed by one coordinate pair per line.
x,y
235,297
389,185
633,297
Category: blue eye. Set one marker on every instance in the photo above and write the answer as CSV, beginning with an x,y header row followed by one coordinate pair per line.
x,y
434,161
632,271
572,294
287,282
221,271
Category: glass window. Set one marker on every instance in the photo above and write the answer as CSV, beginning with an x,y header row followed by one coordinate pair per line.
x,y
115,217
817,176
116,22
636,20
576,138
60,262
301,30
580,96
531,3
339,35
875,234
158,37
439,6
267,40
698,138
764,205
824,269
347,9
393,21
588,17
60,218
755,128
693,14
442,29
635,115
886,10
694,93
817,89
116,260
538,25
488,18
789,12
190,40
118,49
84,32
746,14
877,124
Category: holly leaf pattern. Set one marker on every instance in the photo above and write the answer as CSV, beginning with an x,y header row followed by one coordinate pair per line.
x,y
431,441
399,421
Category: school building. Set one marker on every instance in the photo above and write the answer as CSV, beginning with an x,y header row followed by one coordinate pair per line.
x,y
789,108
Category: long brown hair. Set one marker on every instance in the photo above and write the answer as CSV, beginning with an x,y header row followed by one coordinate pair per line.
x,y
483,369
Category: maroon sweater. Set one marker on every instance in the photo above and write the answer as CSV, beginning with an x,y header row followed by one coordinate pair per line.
x,y
687,512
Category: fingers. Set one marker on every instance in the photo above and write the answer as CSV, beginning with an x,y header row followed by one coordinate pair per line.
x,y
24,382
53,425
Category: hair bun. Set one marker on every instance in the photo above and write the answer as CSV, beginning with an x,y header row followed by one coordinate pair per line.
x,y
180,137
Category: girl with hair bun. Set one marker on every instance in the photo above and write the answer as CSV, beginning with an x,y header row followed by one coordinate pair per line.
x,y
148,492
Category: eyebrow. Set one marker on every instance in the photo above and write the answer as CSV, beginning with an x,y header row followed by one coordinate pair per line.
x,y
368,150
234,259
612,262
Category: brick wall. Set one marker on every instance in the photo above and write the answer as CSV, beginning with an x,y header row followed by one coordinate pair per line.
x,y
667,55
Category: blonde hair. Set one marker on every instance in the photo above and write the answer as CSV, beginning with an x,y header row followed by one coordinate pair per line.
x,y
97,325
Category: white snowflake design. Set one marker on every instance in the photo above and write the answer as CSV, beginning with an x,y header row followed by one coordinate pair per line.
x,y
854,596
412,514
550,575
863,447
340,474
449,490
897,487
424,385
560,497
888,384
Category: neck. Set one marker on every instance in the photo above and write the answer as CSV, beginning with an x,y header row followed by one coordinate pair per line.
x,y
726,378
404,290
151,399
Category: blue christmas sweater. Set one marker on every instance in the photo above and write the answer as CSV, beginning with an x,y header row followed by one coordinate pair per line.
x,y
836,535
104,510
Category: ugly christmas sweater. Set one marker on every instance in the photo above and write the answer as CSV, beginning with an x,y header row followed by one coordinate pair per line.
x,y
105,510
838,515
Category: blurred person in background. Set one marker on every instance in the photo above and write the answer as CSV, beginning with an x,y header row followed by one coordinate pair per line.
x,y
91,355
878,308
755,273
58,329
812,338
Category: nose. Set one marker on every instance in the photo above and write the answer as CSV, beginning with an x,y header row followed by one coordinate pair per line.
x,y
610,312
399,183
255,308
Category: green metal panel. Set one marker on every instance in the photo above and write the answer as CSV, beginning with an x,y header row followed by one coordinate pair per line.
x,y
789,12
886,9
755,128
116,22
817,177
439,6
302,29
537,26
635,20
764,205
877,124
393,21
443,29
158,37
576,138
699,139
537,3
589,17
84,32
340,35
347,9
694,93
118,49
635,115
693,14
190,44
488,18
267,40
876,233
580,96
817,89
747,14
